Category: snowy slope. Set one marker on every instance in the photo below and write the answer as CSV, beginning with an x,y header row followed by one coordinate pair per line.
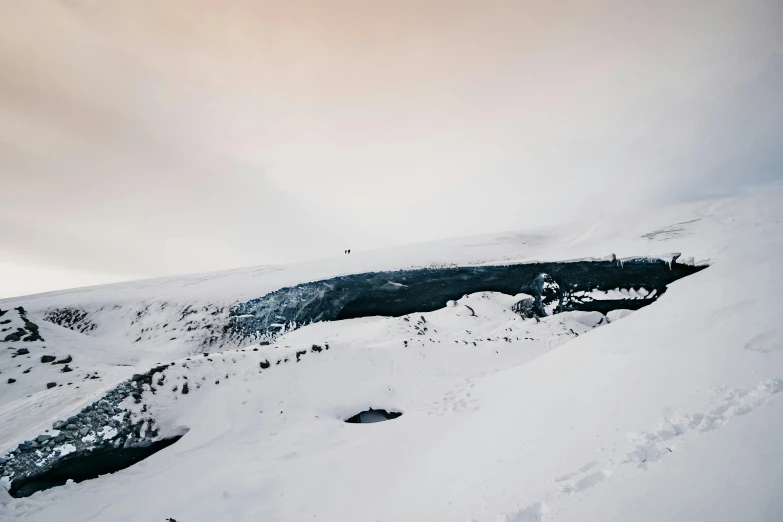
x,y
649,417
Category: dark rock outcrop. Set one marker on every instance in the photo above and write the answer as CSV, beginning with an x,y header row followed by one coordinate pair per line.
x,y
26,333
425,290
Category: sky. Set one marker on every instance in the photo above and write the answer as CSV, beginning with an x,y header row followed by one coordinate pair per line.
x,y
151,138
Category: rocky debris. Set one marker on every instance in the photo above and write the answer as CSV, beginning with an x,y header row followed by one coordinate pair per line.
x,y
45,359
66,369
26,333
146,378
199,326
64,361
72,318
21,351
11,381
15,337
100,428
525,308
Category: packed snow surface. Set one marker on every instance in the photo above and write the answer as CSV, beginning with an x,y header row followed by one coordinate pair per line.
x,y
672,412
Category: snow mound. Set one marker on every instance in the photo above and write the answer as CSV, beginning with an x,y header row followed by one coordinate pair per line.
x,y
616,315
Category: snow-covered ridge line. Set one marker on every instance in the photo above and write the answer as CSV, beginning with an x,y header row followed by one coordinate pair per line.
x,y
200,325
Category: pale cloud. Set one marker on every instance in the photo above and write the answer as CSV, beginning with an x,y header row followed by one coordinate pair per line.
x,y
154,138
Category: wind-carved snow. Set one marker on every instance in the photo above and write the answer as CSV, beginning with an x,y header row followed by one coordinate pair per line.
x,y
613,294
674,231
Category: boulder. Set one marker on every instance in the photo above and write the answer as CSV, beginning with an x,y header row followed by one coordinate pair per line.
x,y
547,294
525,307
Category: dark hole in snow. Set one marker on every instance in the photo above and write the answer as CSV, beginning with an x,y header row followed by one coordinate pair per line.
x,y
372,415
86,465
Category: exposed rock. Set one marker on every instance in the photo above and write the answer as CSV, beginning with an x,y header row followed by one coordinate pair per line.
x,y
15,337
28,445
426,290
73,318
11,381
50,385
47,358
525,307
66,369
547,295
64,361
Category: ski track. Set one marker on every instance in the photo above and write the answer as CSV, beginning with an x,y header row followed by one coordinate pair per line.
x,y
673,433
